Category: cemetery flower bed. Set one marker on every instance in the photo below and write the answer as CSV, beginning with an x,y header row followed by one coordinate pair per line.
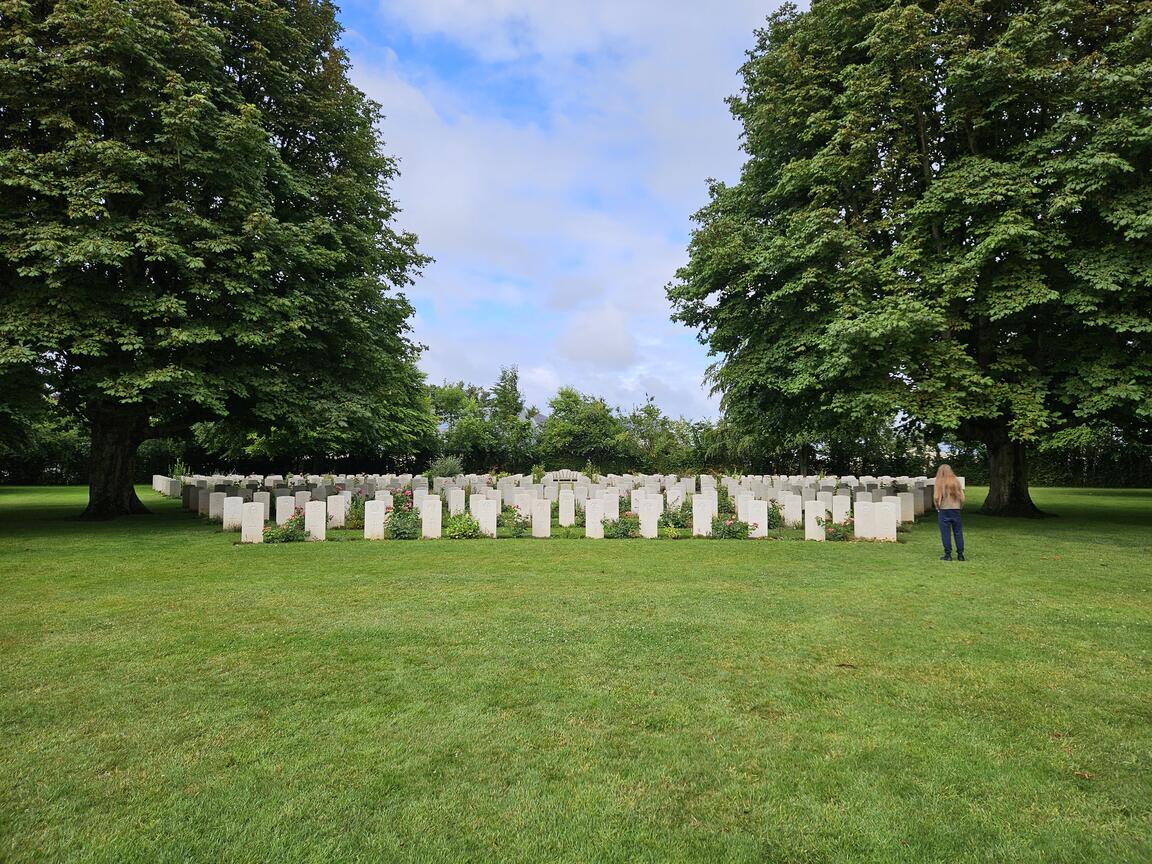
x,y
517,524
627,527
462,527
837,531
729,528
291,531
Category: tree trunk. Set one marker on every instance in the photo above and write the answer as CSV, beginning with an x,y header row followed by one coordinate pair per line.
x,y
1007,479
115,437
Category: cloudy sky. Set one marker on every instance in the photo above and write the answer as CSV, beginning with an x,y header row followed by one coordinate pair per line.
x,y
551,156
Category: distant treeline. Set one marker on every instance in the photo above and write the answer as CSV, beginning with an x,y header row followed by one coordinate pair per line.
x,y
493,429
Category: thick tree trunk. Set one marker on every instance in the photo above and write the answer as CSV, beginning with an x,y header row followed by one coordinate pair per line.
x,y
115,437
1007,480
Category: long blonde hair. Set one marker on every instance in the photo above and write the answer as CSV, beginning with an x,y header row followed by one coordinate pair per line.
x,y
947,485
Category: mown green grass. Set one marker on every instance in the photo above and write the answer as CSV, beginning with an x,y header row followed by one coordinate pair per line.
x,y
166,695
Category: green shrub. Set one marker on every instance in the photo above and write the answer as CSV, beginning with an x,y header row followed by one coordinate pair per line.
x,y
775,516
669,532
291,531
837,531
537,473
729,528
354,518
404,522
678,517
462,527
179,469
725,504
518,524
624,528
445,466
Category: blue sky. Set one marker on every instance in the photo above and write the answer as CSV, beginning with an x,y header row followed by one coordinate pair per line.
x,y
551,156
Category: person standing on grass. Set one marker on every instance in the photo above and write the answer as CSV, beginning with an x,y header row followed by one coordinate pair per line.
x,y
949,498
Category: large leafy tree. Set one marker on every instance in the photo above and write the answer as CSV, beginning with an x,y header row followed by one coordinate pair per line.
x,y
195,225
945,215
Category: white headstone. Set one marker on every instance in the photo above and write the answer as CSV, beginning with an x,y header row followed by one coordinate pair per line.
x,y
907,506
265,500
216,506
567,508
864,520
431,519
485,512
841,508
701,515
337,511
814,510
375,514
232,513
315,520
455,502
649,519
593,518
302,499
611,499
541,518
886,517
252,523
285,507
758,519
793,510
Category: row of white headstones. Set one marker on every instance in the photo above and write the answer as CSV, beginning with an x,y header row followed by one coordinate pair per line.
x,y
872,503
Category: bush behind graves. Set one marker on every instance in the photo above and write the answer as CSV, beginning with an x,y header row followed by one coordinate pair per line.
x,y
354,518
404,523
679,518
627,527
517,524
462,527
729,528
291,531
446,466
775,516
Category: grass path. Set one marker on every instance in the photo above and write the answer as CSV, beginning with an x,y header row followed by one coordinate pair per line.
x,y
166,695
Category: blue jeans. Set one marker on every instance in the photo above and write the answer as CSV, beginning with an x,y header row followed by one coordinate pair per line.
x,y
949,525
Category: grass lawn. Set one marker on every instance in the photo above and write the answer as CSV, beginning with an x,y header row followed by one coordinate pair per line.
x,y
166,695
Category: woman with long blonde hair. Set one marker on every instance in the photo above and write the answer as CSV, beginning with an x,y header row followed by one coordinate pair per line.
x,y
949,499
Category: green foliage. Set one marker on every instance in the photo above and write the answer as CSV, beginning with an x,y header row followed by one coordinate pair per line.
x,y
627,527
775,516
445,466
538,473
462,527
944,215
725,503
592,472
179,469
678,517
729,528
404,524
517,524
583,429
837,531
188,221
722,671
354,518
292,531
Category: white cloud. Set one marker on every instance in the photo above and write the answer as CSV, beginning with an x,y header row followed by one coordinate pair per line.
x,y
556,224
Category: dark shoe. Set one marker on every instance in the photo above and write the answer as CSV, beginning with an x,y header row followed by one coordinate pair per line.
x,y
945,557
959,556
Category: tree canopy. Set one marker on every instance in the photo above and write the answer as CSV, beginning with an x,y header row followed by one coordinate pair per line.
x,y
196,225
945,217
